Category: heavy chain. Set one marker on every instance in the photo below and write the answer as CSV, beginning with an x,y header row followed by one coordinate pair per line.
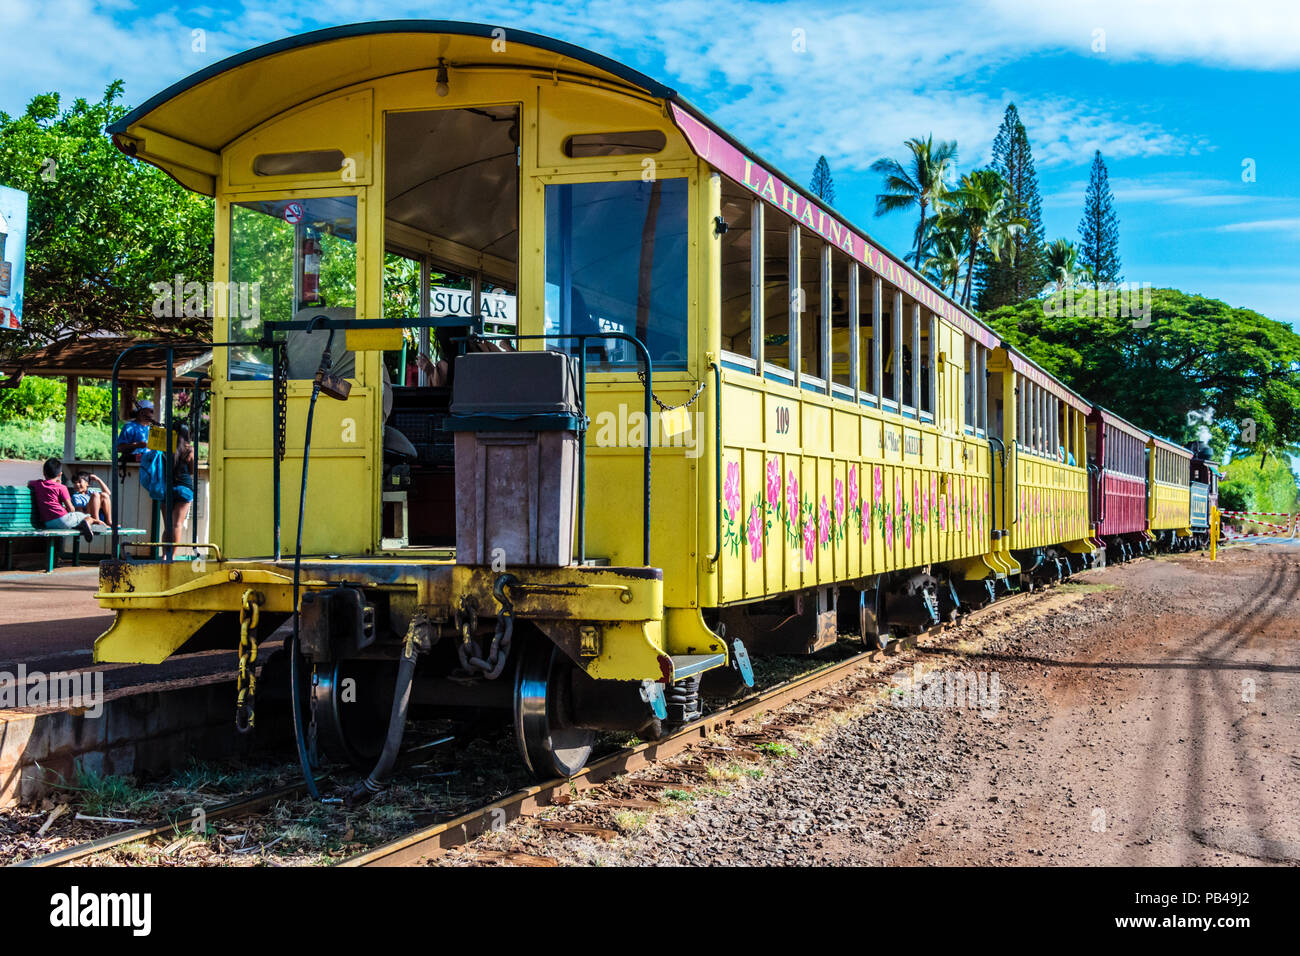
x,y
671,408
472,657
281,397
246,681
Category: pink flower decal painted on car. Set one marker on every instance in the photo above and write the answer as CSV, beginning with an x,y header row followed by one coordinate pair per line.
x,y
792,498
809,538
755,534
731,489
943,512
853,484
823,522
839,500
773,483
880,486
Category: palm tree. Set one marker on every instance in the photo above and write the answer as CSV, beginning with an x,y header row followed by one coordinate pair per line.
x,y
943,261
1062,258
922,182
980,207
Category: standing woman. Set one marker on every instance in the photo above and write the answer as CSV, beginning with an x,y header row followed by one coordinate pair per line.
x,y
182,482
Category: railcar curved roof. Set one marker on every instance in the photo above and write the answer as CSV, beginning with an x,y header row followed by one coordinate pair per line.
x,y
215,106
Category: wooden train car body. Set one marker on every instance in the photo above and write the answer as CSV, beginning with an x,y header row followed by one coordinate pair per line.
x,y
1117,450
1168,487
830,426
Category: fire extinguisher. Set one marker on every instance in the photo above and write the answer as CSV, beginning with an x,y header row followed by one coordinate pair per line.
x,y
310,268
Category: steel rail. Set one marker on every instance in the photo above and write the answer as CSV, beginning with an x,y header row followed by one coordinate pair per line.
x,y
460,830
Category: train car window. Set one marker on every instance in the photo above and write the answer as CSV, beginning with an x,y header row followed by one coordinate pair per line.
x,y
890,358
910,337
301,163
810,303
736,265
616,261
776,288
844,313
968,385
631,143
872,318
1045,423
927,353
1020,412
1055,448
991,406
288,259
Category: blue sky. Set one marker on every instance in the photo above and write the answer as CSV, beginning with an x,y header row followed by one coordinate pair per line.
x,y
1176,95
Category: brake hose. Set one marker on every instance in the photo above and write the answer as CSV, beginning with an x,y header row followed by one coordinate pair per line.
x,y
295,668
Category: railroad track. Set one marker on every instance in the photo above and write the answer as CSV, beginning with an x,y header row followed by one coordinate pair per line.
x,y
234,808
435,839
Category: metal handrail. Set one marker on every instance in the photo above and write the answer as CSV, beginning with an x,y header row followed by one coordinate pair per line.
x,y
644,355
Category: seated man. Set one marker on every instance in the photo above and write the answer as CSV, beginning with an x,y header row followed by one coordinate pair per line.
x,y
133,439
53,504
91,495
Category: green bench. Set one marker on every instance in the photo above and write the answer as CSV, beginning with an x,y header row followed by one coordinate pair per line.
x,y
17,521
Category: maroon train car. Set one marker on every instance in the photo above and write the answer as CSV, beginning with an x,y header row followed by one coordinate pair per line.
x,y
1117,485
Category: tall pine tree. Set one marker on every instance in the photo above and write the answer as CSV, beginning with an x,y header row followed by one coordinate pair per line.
x,y
1099,228
823,187
1019,274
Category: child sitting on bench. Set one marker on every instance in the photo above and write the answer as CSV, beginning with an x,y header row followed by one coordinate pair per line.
x,y
53,504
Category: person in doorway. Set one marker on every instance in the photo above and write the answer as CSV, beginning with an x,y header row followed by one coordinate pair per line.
x,y
182,483
53,504
91,495
133,439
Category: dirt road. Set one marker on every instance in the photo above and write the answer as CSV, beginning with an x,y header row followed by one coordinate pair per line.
x,y
1145,715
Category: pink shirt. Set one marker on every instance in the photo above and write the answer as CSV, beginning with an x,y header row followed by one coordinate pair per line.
x,y
50,497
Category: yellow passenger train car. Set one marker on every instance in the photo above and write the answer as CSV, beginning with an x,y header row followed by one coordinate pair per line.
x,y
1169,493
823,441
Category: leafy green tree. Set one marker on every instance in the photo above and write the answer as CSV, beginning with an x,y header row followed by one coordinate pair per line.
x,y
823,187
1004,280
1099,227
101,227
920,183
1195,352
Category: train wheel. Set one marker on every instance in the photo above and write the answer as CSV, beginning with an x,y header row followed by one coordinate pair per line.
x,y
352,701
548,746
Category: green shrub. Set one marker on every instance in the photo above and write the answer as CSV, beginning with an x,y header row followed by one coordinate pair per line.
x,y
33,441
37,399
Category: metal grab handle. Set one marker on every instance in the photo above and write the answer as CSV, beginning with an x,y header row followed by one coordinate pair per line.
x,y
1016,472
717,467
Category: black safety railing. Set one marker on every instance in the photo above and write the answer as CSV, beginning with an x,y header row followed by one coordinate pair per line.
x,y
644,356
325,323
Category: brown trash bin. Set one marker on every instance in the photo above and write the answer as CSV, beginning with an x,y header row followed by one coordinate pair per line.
x,y
516,419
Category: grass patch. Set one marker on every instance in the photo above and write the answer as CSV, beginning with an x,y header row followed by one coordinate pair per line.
x,y
630,821
683,796
777,748
107,795
753,773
